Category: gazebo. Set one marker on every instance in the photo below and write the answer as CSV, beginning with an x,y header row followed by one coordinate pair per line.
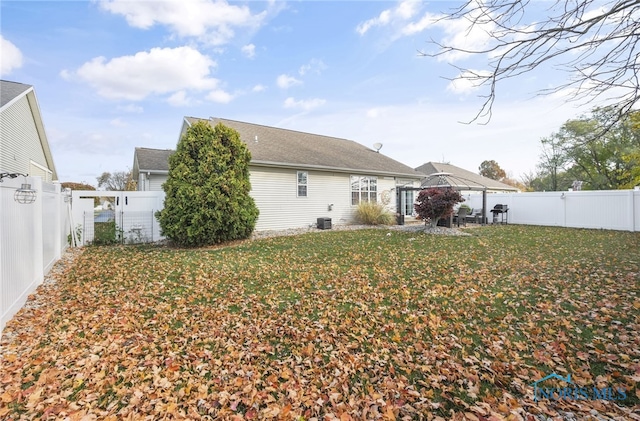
x,y
445,180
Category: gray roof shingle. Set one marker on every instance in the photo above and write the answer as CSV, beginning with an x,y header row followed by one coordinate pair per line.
x,y
153,159
460,177
283,147
11,90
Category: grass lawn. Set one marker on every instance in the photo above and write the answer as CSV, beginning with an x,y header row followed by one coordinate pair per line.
x,y
366,324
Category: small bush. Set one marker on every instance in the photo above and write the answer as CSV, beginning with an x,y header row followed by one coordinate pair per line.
x,y
372,213
105,234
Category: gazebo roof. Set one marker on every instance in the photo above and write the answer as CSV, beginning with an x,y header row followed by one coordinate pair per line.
x,y
446,175
444,179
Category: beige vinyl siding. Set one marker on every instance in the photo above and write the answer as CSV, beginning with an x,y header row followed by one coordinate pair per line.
x,y
156,180
275,193
387,192
19,140
36,170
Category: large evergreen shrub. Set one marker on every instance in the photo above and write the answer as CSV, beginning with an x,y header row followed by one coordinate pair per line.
x,y
207,199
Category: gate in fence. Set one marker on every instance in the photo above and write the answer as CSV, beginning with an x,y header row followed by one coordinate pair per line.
x,y
106,217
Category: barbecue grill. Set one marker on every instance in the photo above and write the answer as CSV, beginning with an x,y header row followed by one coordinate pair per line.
x,y
502,211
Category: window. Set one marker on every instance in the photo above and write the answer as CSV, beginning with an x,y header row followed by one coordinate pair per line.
x,y
302,183
363,189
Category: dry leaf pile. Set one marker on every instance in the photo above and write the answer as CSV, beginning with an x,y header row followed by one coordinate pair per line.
x,y
336,326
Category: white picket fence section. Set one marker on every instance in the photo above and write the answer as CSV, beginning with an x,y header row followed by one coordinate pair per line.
x,y
33,237
602,209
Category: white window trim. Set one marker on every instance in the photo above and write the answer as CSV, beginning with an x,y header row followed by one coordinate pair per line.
x,y
360,177
298,184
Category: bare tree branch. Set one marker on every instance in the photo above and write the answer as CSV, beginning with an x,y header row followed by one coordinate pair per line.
x,y
595,42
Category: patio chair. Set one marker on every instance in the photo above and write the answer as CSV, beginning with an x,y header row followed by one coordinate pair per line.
x,y
462,216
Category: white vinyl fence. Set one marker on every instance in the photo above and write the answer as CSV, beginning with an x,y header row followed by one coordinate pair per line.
x,y
33,237
600,209
132,212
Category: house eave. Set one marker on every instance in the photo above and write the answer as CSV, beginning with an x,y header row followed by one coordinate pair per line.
x,y
289,165
162,172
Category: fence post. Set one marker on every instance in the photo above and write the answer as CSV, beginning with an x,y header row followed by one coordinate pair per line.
x,y
38,243
632,212
57,221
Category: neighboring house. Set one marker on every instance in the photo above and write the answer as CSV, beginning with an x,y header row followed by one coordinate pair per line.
x,y
298,177
24,147
462,179
150,168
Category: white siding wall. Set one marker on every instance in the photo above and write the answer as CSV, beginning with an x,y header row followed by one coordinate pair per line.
x,y
275,193
155,182
19,140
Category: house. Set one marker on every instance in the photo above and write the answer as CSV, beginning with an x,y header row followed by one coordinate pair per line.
x,y
150,168
24,147
298,177
462,179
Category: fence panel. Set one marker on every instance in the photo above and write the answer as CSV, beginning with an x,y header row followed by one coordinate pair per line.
x,y
136,227
30,241
50,224
601,209
134,216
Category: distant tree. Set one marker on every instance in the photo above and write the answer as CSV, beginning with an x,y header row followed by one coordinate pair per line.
x,y
117,181
76,186
595,42
593,149
553,161
630,177
434,203
513,183
207,192
492,170
544,182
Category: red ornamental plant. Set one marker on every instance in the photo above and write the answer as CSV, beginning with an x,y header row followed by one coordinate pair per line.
x,y
435,203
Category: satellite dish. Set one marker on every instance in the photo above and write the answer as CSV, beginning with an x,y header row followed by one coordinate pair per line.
x,y
377,146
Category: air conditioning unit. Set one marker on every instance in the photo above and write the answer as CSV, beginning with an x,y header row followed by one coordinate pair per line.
x,y
324,223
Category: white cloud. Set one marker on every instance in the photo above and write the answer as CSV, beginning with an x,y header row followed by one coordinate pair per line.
x,y
10,56
286,81
315,66
383,19
427,21
376,112
249,50
459,36
131,108
179,99
259,88
210,21
302,104
159,71
467,81
404,11
118,122
220,96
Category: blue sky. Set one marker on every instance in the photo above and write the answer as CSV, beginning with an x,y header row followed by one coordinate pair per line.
x,y
114,75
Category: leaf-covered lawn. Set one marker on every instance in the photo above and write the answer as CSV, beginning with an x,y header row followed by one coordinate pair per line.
x,y
344,325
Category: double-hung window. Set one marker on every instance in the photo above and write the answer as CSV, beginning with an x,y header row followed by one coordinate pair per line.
x,y
363,189
303,177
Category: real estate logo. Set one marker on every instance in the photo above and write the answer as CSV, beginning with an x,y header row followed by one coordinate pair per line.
x,y
574,392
